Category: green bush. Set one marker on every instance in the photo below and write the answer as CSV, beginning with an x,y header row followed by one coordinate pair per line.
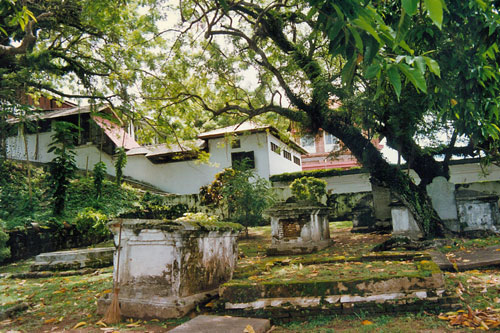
x,y
308,188
99,175
4,250
245,194
290,176
92,224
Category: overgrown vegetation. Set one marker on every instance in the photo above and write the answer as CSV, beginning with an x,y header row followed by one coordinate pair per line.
x,y
83,208
243,195
63,166
309,189
290,176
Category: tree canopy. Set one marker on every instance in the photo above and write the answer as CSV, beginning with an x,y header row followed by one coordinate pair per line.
x,y
409,70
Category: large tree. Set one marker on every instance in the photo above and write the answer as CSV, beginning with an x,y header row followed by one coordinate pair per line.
x,y
77,49
380,60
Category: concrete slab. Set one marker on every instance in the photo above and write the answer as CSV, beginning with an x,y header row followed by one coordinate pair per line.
x,y
465,261
222,324
74,259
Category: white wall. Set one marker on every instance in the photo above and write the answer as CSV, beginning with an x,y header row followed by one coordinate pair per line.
x,y
86,155
278,164
183,177
355,183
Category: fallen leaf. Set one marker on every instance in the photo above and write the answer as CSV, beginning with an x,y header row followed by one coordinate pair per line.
x,y
80,324
101,323
249,329
50,321
366,322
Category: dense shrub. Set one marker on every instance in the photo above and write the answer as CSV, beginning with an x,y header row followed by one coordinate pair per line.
x,y
92,224
4,250
308,188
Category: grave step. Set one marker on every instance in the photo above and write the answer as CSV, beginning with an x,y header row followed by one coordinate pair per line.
x,y
74,259
222,324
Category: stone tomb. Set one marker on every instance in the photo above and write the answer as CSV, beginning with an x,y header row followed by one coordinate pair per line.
x,y
73,259
442,194
403,222
168,267
477,211
298,229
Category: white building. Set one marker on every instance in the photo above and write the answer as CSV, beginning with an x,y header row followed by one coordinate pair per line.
x,y
172,169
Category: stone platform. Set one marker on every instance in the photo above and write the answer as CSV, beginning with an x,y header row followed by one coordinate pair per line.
x,y
223,324
338,286
74,259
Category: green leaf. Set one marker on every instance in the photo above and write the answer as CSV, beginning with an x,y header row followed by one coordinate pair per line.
x,y
433,66
415,77
348,70
410,6
357,38
435,10
395,79
372,71
363,24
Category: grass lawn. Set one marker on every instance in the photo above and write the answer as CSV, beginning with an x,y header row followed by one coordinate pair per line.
x,y
63,303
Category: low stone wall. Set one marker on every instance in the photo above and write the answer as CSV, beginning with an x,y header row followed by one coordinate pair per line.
x,y
33,240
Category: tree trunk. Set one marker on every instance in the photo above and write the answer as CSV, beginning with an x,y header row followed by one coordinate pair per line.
x,y
28,164
400,184
426,167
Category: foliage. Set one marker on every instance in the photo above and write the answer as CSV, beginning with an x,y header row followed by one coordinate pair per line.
x,y
198,217
120,163
92,224
63,166
211,195
4,250
157,212
308,188
247,196
99,175
80,195
291,176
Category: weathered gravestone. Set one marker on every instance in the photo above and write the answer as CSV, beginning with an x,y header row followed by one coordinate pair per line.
x,y
478,211
298,229
168,267
73,259
442,194
403,222
381,206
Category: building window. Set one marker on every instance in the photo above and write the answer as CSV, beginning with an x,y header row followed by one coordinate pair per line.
x,y
331,142
246,158
296,160
308,143
275,148
287,155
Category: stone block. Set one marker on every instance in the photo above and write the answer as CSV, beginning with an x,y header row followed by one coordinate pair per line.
x,y
298,229
403,222
74,259
222,324
442,194
478,211
167,267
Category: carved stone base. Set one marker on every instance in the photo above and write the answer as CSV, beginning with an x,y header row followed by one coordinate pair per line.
x,y
163,308
284,248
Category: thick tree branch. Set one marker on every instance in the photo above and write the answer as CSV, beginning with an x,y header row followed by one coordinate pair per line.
x,y
28,39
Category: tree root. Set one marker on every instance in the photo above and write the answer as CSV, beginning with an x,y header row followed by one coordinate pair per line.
x,y
409,244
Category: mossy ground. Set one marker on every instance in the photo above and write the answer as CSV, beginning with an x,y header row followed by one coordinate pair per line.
x,y
59,303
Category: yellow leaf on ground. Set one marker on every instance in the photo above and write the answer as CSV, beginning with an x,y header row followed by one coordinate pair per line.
x,y
101,323
367,322
249,329
80,324
50,321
